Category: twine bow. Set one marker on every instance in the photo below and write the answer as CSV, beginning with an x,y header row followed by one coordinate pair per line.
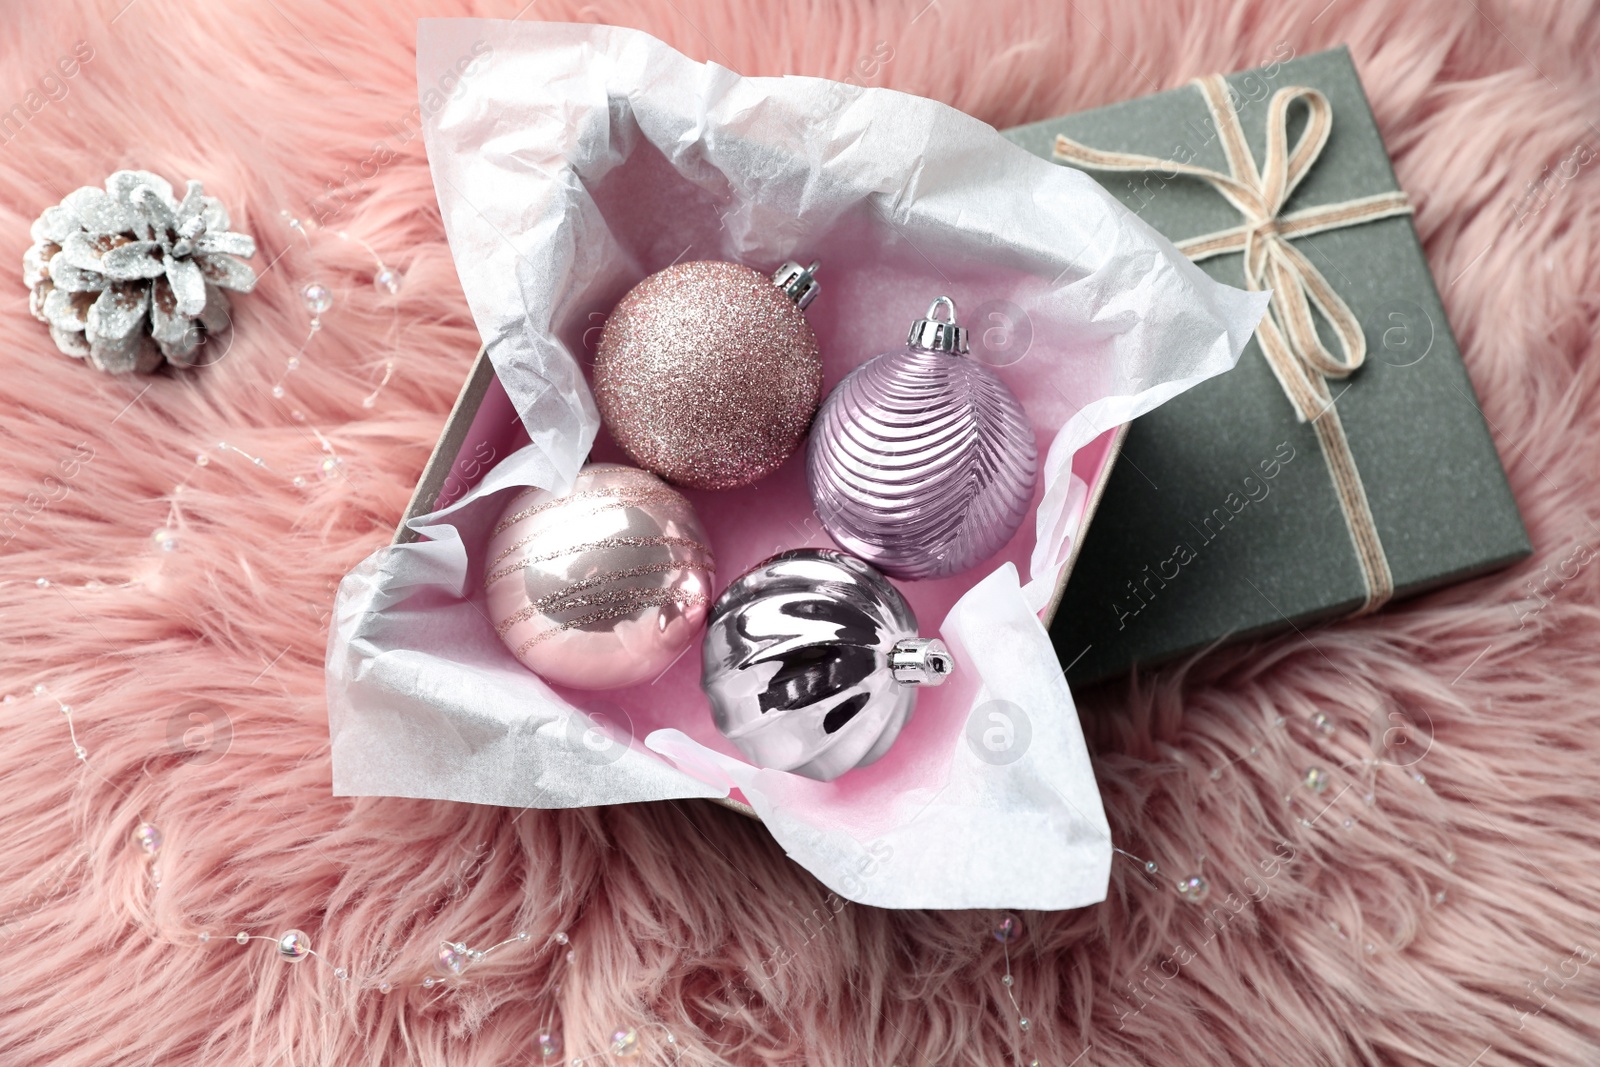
x,y
1288,335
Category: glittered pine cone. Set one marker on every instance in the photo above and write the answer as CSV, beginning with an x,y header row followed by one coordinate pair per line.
x,y
128,277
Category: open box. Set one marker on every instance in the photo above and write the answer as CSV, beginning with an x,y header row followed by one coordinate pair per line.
x,y
483,428
576,161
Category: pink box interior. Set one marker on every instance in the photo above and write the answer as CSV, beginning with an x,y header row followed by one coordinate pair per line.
x,y
745,527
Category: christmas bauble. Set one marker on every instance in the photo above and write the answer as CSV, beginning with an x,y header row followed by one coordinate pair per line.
x,y
922,462
603,586
707,373
812,663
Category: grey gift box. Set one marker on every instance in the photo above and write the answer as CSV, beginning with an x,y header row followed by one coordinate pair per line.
x,y
1221,521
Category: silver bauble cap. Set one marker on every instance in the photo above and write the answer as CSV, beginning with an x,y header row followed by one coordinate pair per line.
x,y
939,335
921,661
798,283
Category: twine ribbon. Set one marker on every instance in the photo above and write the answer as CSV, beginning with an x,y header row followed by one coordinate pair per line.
x,y
1294,350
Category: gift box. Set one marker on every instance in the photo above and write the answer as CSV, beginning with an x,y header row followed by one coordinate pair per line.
x,y
571,162
1294,489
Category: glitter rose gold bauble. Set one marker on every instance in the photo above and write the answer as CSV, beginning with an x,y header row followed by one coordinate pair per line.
x,y
604,586
708,375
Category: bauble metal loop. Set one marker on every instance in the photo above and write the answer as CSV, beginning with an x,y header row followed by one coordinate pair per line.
x,y
798,283
921,661
933,334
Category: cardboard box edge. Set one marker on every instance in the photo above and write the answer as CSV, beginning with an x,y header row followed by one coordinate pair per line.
x,y
431,482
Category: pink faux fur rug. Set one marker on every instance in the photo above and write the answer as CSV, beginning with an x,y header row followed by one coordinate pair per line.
x,y
1451,921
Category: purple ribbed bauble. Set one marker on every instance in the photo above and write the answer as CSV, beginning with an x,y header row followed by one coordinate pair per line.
x,y
922,462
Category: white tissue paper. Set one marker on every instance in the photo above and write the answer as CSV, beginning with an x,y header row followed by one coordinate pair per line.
x,y
570,161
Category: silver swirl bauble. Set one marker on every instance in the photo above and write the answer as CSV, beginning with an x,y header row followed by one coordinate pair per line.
x,y
812,663
601,587
922,461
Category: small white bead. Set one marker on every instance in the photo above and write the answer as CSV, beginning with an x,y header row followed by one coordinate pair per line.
x,y
316,298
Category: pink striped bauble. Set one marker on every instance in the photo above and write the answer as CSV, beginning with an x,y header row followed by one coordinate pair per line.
x,y
603,586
